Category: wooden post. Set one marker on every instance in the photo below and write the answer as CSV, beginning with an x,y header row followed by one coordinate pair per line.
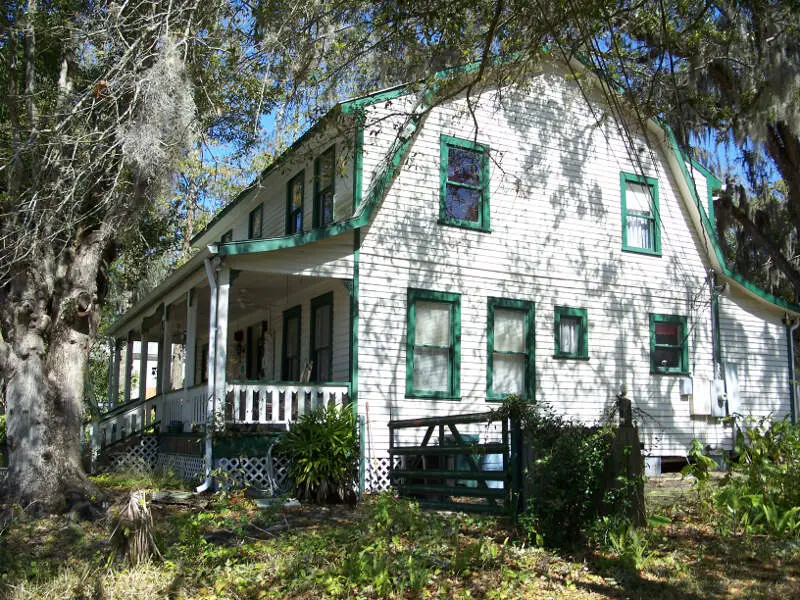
x,y
143,352
166,353
221,351
191,340
113,387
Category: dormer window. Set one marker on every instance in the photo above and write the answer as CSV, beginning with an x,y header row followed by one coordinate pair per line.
x,y
641,229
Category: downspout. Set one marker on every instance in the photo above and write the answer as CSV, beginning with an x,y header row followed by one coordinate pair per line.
x,y
716,341
211,390
791,326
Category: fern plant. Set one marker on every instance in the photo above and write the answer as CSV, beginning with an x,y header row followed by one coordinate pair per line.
x,y
323,449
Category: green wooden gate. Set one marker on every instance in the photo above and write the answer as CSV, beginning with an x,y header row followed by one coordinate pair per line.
x,y
448,469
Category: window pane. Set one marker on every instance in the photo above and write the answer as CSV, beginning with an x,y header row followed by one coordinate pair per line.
x,y
296,224
433,324
569,335
292,337
322,326
431,369
668,333
508,375
326,207
464,166
255,223
323,364
637,198
667,357
462,203
296,194
639,233
326,170
509,330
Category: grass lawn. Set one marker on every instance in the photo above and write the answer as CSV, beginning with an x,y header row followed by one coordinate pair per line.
x,y
222,546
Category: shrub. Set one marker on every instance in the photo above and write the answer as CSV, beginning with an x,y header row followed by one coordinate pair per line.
x,y
570,487
323,449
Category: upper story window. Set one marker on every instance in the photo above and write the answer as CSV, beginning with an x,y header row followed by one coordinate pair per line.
x,y
669,346
295,190
433,345
464,184
571,332
227,237
641,228
510,354
255,224
324,180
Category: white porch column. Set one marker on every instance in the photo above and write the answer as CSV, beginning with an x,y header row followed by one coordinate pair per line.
x,y
191,339
128,367
143,352
221,342
113,375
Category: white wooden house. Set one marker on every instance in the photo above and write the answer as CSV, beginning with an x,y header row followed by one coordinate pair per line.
x,y
429,261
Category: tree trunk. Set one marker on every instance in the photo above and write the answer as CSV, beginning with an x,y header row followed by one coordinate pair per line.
x,y
51,322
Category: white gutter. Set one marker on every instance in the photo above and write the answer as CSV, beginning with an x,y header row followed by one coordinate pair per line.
x,y
211,390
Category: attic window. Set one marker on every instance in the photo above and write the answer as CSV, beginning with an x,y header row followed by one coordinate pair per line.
x,y
324,185
255,223
669,349
464,184
641,228
294,203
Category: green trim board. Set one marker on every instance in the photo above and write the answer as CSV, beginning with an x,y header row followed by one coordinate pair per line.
x,y
652,217
660,348
453,348
255,222
354,322
294,215
529,353
582,316
323,194
296,312
463,193
325,300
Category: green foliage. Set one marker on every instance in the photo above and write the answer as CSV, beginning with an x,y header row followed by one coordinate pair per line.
x,y
323,447
700,467
568,473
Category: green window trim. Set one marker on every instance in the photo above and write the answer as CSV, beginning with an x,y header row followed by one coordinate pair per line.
x,y
318,218
320,301
530,346
454,354
292,225
291,313
255,223
583,340
482,223
655,227
682,346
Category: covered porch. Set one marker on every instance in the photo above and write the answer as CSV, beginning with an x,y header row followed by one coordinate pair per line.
x,y
239,346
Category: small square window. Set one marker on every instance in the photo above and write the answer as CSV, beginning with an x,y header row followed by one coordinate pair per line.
x,y
464,180
324,186
571,332
255,226
669,347
641,229
295,191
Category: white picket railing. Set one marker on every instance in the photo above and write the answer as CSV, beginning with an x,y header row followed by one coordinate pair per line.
x,y
280,403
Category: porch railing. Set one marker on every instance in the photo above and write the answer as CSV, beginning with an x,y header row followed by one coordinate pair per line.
x,y
280,402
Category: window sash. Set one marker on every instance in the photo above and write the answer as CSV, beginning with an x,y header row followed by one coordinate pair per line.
x,y
324,187
571,332
509,368
464,193
256,223
294,203
321,343
433,345
640,224
669,344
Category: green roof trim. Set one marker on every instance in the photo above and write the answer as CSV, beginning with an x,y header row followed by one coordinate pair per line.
x,y
709,229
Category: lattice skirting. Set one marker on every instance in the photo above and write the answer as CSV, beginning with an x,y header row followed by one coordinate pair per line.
x,y
376,475
267,473
139,458
187,467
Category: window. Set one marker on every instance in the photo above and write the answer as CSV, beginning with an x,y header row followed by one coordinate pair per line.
x,y
433,345
325,176
464,181
255,225
290,366
295,190
509,349
571,332
669,348
227,237
641,231
322,338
